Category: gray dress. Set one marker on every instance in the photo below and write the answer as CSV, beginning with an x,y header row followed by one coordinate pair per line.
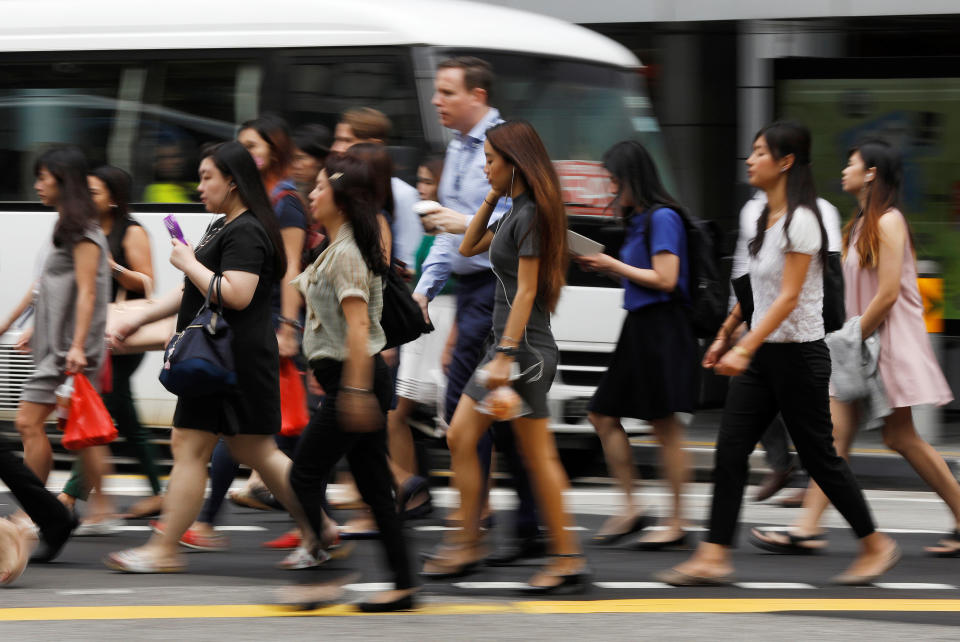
x,y
516,235
55,306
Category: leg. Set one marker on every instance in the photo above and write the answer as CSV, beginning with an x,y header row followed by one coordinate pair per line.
x,y
775,447
619,456
223,470
676,467
120,404
96,466
75,488
526,524
37,453
466,430
400,440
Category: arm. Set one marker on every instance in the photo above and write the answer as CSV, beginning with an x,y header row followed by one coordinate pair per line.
x,y
893,235
435,272
86,259
290,299
386,237
136,245
527,269
476,239
19,309
237,286
357,404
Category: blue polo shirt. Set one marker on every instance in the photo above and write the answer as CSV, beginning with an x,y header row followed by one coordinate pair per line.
x,y
667,234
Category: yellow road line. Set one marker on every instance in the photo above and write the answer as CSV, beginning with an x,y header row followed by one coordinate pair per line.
x,y
690,605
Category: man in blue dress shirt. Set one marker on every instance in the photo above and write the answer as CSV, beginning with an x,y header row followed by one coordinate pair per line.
x,y
461,98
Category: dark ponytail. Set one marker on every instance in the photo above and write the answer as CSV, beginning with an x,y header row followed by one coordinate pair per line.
x,y
68,166
784,138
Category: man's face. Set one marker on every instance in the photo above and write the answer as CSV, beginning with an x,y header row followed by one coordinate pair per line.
x,y
455,104
343,138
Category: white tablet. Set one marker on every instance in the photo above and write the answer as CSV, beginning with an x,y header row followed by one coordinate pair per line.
x,y
580,245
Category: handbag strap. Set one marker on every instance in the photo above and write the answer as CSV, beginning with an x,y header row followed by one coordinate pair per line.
x,y
216,309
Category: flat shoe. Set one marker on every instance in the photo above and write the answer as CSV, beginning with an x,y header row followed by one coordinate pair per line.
x,y
639,523
793,547
405,603
16,547
852,579
673,577
108,526
132,561
641,545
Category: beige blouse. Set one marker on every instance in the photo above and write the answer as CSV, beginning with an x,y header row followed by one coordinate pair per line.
x,y
338,273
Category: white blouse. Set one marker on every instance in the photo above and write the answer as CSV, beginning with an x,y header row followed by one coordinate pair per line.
x,y
805,322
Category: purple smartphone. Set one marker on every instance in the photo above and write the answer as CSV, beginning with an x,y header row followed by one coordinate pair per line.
x,y
174,228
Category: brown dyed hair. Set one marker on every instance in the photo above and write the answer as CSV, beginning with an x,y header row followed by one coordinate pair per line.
x,y
477,73
273,129
518,142
367,123
883,195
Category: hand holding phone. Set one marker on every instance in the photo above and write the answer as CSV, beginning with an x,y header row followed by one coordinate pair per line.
x,y
173,228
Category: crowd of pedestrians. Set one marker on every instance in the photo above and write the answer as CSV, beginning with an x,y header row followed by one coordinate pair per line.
x,y
313,229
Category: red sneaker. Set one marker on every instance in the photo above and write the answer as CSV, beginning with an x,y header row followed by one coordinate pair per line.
x,y
196,541
286,542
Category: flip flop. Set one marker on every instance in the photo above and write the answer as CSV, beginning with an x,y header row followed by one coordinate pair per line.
x,y
673,577
794,545
953,552
133,561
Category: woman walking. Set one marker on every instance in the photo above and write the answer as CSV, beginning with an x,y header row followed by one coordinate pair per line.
x,y
245,249
342,340
652,374
781,365
528,253
132,270
880,286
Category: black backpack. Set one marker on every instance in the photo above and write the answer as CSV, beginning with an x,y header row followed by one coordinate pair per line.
x,y
708,292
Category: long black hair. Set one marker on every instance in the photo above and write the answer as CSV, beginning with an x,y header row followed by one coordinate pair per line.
x,y
351,178
118,183
632,166
68,166
234,161
381,166
785,137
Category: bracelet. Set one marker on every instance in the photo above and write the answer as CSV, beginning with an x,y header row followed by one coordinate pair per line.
x,y
119,269
489,203
293,323
511,339
510,351
743,352
359,391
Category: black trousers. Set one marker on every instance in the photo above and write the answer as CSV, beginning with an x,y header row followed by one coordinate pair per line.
x,y
792,379
41,505
321,446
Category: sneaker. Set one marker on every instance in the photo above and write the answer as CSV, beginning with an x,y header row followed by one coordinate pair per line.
x,y
194,540
301,558
107,526
286,542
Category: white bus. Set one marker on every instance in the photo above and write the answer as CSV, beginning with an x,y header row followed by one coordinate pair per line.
x,y
143,85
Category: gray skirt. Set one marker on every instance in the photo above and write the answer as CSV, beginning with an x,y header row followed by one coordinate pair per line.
x,y
538,365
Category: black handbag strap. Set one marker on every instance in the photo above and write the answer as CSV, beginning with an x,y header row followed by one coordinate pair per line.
x,y
216,309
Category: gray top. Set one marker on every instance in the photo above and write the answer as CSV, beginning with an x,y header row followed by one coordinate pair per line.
x,y
56,313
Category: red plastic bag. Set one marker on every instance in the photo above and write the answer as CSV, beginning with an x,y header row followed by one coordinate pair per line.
x,y
293,400
89,423
106,374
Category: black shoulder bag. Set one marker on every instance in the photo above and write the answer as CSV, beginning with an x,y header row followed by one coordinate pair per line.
x,y
402,320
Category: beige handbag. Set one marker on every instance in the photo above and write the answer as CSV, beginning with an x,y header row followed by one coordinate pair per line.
x,y
150,336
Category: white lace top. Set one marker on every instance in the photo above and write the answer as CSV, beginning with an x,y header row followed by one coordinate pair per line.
x,y
805,323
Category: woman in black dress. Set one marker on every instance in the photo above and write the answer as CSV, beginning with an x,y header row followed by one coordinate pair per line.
x,y
245,248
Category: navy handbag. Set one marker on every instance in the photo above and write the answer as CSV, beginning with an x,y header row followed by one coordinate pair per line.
x,y
198,361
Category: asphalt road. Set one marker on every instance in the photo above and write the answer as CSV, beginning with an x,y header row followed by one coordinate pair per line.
x,y
227,595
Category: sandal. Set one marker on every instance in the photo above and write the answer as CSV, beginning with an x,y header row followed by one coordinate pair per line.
x,y
441,564
16,546
576,582
413,487
953,549
302,558
852,579
795,544
639,523
673,577
135,561
145,508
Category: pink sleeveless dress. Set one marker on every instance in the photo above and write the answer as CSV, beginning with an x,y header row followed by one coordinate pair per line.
x,y
908,368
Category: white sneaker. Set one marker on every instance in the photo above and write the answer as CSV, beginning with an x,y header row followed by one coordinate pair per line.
x,y
302,558
107,526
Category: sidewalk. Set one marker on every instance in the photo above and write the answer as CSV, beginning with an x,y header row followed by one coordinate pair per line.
x,y
873,463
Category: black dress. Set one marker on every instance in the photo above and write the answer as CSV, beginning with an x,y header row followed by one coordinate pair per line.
x,y
254,408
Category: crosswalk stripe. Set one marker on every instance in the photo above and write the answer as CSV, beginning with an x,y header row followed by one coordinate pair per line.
x,y
477,586
914,586
632,585
774,585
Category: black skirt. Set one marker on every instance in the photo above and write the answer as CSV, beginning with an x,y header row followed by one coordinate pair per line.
x,y
653,371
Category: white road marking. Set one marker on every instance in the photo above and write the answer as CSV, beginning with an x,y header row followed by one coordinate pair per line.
x,y
96,592
774,585
914,586
370,586
633,585
473,586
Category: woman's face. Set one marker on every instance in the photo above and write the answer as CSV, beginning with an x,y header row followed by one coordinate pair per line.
x,y
214,187
46,187
100,195
305,167
426,184
499,172
322,206
625,198
258,148
854,175
763,170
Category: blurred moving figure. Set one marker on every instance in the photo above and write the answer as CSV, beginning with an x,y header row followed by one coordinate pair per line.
x,y
342,340
132,270
245,248
528,254
880,283
170,171
311,146
781,365
652,374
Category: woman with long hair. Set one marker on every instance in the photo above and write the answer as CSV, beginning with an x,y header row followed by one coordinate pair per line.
x,y
652,373
343,338
780,365
245,249
71,310
880,287
528,252
132,271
